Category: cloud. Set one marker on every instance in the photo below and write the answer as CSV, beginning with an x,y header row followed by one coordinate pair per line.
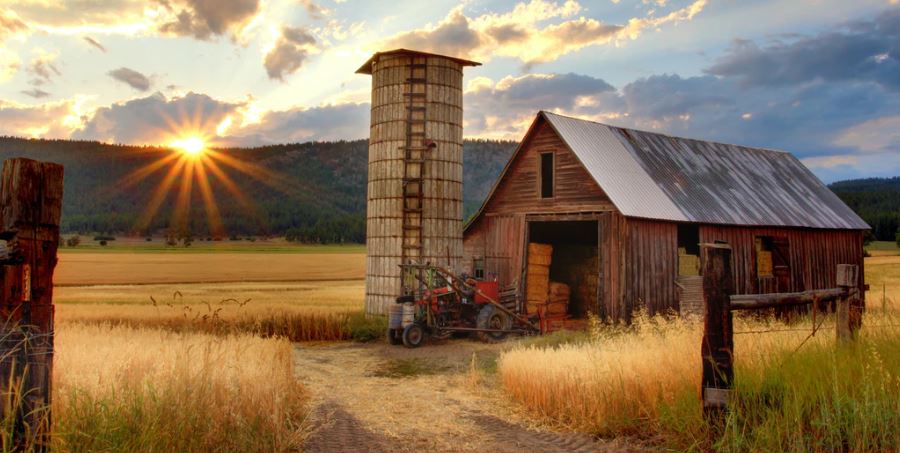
x,y
290,52
873,136
35,93
505,109
43,67
204,19
314,10
131,77
156,119
95,43
50,120
10,24
539,31
861,50
329,122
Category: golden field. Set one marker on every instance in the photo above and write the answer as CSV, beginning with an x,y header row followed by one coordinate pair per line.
x,y
794,391
126,389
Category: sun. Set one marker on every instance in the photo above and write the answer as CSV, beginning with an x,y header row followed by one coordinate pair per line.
x,y
191,146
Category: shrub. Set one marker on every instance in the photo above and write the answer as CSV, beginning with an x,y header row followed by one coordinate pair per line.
x,y
103,243
104,238
73,241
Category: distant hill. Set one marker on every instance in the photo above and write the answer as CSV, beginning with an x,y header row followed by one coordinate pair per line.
x,y
315,192
876,200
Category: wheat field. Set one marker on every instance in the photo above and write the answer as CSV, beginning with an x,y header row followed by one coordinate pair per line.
x,y
794,391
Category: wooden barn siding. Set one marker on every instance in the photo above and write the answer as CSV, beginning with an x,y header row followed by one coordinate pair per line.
x,y
499,239
814,254
651,267
574,188
611,240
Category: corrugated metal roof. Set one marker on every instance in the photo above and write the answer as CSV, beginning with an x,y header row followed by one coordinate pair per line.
x,y
656,176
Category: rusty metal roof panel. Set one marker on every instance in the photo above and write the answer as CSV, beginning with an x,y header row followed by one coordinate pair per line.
x,y
656,176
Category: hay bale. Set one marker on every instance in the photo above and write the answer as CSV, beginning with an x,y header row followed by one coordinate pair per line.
x,y
558,289
539,260
535,248
688,265
557,308
764,264
538,270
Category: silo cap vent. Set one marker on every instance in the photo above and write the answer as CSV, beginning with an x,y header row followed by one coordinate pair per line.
x,y
366,68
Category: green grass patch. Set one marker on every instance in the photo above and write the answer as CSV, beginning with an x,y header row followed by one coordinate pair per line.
x,y
408,368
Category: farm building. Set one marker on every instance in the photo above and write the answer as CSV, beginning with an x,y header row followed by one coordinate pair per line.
x,y
620,214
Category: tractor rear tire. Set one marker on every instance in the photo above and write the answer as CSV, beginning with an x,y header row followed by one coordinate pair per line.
x,y
413,336
489,317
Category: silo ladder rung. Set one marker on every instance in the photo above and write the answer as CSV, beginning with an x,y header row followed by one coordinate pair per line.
x,y
415,79
412,209
412,227
415,95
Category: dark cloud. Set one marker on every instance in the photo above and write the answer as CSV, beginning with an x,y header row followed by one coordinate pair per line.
x,y
204,19
95,43
858,51
289,53
35,93
131,77
43,69
156,119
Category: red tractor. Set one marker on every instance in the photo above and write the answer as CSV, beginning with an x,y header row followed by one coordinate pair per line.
x,y
439,304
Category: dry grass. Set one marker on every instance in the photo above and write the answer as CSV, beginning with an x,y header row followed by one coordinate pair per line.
x,y
644,382
122,389
123,268
319,311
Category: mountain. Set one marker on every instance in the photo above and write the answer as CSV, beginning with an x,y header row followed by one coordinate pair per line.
x,y
876,200
314,192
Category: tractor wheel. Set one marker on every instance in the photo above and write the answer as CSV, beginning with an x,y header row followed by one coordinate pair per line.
x,y
413,336
394,336
491,318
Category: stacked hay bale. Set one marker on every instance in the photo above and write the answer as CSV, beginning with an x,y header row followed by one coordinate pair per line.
x,y
688,265
558,303
537,276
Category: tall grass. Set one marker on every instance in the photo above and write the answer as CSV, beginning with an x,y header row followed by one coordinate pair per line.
x,y
123,389
644,382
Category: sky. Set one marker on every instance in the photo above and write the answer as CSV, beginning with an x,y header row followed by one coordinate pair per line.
x,y
818,78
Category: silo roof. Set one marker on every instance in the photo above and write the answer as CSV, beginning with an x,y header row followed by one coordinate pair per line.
x,y
656,176
366,68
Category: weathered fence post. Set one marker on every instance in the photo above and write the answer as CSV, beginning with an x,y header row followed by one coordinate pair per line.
x,y
848,322
718,341
30,206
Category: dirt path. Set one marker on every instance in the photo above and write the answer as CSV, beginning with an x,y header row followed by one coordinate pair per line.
x,y
377,398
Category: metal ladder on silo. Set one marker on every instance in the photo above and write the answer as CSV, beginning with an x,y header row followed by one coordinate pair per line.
x,y
414,160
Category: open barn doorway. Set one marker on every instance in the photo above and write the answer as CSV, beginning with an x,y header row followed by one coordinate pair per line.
x,y
574,262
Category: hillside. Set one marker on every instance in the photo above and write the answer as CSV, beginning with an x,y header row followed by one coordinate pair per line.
x,y
314,191
876,200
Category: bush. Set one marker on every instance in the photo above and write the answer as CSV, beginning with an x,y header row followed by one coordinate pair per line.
x,y
366,328
897,237
73,241
149,239
104,238
103,243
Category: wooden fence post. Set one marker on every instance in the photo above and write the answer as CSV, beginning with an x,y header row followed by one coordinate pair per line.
x,y
718,341
30,207
848,322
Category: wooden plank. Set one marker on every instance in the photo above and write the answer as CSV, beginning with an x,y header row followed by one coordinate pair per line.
x,y
770,300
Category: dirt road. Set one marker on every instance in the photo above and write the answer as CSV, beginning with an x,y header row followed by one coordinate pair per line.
x,y
376,398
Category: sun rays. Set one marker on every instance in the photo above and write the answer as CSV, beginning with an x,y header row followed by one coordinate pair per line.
x,y
191,169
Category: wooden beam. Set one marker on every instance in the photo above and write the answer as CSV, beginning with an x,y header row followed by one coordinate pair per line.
x,y
849,315
758,301
718,336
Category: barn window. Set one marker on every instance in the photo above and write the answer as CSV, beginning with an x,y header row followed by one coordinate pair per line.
x,y
546,175
764,247
478,268
688,250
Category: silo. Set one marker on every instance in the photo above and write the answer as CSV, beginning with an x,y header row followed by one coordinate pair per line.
x,y
414,194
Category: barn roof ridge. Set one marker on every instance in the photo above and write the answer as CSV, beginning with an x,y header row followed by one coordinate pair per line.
x,y
656,176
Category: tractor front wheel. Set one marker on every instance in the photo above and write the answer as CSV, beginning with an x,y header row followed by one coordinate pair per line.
x,y
413,336
491,318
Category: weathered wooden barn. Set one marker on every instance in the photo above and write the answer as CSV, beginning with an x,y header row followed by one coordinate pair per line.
x,y
625,211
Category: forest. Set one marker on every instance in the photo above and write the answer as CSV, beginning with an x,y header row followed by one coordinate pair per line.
x,y
877,201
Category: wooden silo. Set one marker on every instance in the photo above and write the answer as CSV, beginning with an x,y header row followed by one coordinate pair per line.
x,y
414,202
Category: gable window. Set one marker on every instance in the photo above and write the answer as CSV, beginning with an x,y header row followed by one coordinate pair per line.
x,y
546,175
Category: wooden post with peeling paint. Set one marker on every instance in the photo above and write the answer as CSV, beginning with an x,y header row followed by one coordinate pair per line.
x,y
30,207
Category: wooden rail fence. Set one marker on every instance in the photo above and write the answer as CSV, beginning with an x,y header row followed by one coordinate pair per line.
x,y
30,206
720,301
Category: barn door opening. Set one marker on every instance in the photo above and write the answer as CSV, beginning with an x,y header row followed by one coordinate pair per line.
x,y
773,264
573,261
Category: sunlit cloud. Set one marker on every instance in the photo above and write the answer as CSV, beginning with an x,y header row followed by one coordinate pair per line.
x,y
9,64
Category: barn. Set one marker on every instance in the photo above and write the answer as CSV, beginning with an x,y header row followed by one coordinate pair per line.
x,y
623,212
